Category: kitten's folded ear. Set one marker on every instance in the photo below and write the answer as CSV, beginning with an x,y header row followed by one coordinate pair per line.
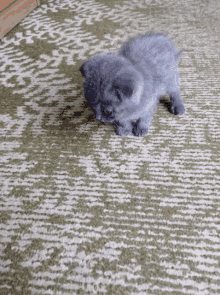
x,y
129,84
124,83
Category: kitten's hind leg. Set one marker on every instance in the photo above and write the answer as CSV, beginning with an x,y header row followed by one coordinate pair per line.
x,y
177,105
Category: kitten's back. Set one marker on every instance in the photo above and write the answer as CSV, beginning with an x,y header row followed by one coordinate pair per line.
x,y
152,52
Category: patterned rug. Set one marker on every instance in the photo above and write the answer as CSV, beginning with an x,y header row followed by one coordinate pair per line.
x,y
84,211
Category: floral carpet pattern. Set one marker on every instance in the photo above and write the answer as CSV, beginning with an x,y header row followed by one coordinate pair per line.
x,y
82,210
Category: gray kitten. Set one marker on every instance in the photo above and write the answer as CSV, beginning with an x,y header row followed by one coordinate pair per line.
x,y
125,88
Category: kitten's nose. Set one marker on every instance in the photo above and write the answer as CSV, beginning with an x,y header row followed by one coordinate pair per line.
x,y
108,111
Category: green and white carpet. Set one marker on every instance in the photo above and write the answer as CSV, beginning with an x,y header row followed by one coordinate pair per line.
x,y
84,211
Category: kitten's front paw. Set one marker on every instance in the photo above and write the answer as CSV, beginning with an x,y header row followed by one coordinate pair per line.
x,y
140,131
178,109
123,131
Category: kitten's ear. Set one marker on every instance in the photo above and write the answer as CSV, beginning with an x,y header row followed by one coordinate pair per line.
x,y
83,68
125,84
130,84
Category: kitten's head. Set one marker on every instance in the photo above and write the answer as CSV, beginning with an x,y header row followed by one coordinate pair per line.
x,y
112,87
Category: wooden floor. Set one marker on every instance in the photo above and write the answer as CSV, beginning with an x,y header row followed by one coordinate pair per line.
x,y
12,12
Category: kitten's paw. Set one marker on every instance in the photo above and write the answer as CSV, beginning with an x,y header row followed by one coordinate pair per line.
x,y
140,131
123,132
178,109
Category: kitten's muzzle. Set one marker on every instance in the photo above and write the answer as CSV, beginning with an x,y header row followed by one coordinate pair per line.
x,y
107,111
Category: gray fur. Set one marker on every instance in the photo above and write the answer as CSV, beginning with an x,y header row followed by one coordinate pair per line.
x,y
124,88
